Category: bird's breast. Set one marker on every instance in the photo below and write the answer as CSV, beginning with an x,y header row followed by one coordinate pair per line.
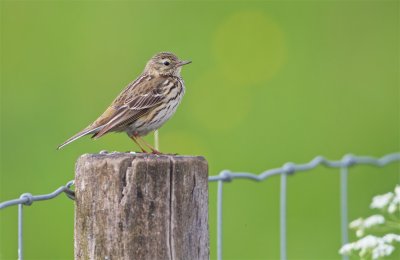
x,y
173,93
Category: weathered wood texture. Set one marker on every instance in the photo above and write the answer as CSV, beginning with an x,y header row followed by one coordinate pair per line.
x,y
141,207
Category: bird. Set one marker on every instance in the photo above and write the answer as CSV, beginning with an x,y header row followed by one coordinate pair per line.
x,y
144,105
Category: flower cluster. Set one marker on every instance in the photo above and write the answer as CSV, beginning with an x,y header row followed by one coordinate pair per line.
x,y
371,246
389,201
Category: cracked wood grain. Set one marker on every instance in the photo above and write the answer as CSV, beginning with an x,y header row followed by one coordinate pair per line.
x,y
141,207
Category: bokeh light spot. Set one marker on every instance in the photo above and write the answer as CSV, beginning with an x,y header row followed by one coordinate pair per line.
x,y
249,47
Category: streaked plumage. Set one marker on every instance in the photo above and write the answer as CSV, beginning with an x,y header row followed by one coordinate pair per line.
x,y
145,104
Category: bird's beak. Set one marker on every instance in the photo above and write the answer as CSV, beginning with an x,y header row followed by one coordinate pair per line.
x,y
184,62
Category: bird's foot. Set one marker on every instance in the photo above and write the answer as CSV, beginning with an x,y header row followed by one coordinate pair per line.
x,y
154,151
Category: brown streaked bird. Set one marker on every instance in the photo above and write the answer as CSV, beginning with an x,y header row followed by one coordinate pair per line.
x,y
144,105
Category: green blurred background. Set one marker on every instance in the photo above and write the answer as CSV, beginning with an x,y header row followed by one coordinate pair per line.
x,y
270,82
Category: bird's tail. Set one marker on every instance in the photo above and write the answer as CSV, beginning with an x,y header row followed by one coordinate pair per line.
x,y
86,131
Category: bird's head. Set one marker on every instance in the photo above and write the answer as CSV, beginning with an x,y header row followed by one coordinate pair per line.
x,y
165,63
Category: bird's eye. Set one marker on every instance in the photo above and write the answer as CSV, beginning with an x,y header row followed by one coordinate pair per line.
x,y
166,63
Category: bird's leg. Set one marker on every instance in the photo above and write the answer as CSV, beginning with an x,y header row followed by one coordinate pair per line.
x,y
155,151
136,141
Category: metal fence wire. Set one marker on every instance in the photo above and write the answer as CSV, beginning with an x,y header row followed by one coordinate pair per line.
x,y
227,176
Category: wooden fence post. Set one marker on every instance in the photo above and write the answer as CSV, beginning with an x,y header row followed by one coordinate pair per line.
x,y
137,206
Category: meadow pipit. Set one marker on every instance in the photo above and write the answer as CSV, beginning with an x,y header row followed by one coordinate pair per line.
x,y
145,104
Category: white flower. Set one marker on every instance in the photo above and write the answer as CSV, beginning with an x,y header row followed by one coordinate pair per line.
x,y
347,249
356,223
376,246
397,190
381,201
361,224
372,246
382,250
395,203
360,232
392,208
367,242
373,221
390,200
390,238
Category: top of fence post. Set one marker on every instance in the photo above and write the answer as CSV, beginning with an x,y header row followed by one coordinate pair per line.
x,y
141,207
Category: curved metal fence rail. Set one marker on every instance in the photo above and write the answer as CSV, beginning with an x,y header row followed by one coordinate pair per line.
x,y
289,169
27,199
227,176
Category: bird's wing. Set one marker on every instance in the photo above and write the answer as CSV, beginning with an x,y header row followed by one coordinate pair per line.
x,y
133,104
